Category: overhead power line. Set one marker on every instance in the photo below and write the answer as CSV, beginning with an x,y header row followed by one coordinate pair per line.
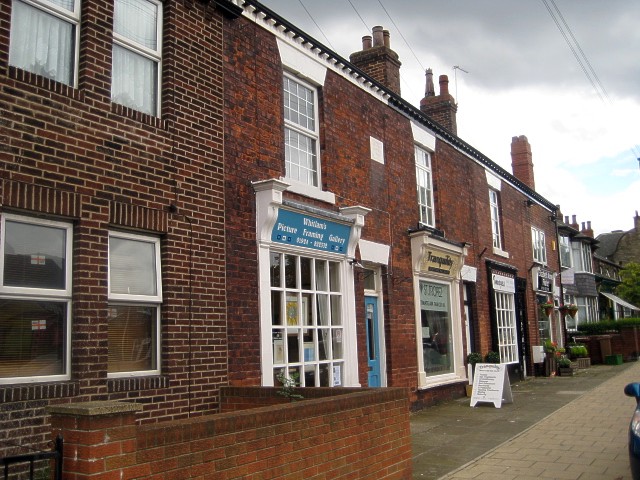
x,y
318,26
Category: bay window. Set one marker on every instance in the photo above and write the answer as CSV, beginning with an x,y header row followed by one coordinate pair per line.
x,y
565,251
44,38
137,54
307,325
35,299
135,294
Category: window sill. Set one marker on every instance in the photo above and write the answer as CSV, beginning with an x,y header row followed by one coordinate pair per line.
x,y
37,391
500,252
309,191
126,384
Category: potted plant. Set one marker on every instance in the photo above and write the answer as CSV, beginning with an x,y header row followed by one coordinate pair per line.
x,y
547,308
492,357
564,367
572,309
550,361
472,359
580,355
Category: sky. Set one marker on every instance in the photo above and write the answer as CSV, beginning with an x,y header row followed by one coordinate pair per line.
x,y
518,75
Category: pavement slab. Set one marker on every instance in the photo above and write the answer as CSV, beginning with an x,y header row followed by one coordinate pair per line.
x,y
556,428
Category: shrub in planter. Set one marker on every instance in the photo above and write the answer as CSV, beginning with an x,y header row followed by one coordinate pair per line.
x,y
492,357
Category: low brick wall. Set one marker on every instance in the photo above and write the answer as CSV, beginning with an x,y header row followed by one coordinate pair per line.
x,y
625,343
331,434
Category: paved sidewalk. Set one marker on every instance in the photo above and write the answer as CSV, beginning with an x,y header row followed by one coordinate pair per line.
x,y
557,428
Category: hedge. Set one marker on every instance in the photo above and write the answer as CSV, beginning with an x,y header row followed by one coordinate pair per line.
x,y
607,326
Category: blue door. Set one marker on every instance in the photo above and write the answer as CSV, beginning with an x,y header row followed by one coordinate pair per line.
x,y
373,346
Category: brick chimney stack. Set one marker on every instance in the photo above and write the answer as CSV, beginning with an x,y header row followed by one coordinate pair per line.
x,y
588,231
377,60
442,108
522,161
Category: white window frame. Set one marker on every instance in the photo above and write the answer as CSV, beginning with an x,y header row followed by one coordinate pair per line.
x,y
424,186
538,245
148,53
494,207
565,251
70,16
581,257
506,326
42,294
153,301
277,355
312,135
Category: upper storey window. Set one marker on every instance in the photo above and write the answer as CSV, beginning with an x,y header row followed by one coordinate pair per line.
x,y
137,33
301,132
425,186
44,38
494,205
539,249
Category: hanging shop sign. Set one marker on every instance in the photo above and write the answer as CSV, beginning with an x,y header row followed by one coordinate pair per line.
x,y
501,283
543,279
438,261
293,228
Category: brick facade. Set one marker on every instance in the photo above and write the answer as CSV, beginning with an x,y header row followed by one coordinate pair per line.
x,y
70,154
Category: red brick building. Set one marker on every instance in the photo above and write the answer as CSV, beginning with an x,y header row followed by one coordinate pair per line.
x,y
190,200
437,250
112,205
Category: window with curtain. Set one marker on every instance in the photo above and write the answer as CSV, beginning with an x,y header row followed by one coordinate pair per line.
x,y
539,249
301,132
307,327
44,38
135,294
35,299
494,206
137,54
425,186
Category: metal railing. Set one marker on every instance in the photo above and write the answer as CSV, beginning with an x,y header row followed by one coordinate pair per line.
x,y
31,458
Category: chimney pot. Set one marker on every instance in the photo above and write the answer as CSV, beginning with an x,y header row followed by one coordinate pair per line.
x,y
378,36
430,90
566,219
386,38
366,42
574,221
444,85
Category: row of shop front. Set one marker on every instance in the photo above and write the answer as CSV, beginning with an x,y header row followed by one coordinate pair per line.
x,y
311,261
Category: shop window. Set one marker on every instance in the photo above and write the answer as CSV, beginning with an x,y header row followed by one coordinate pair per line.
x,y
307,329
435,319
507,334
135,294
35,299
425,186
137,33
494,206
44,38
301,132
539,249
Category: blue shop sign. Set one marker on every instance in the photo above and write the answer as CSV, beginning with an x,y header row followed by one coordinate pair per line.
x,y
293,228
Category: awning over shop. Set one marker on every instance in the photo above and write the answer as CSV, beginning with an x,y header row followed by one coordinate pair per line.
x,y
619,301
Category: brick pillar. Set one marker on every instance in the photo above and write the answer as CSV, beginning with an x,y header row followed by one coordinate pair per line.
x,y
99,438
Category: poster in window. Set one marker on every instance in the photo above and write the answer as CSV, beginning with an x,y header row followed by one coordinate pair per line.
x,y
278,351
292,310
293,306
337,376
